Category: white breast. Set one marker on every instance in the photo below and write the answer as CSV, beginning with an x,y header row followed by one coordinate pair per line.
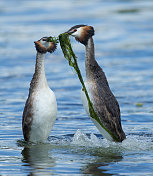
x,y
45,111
89,87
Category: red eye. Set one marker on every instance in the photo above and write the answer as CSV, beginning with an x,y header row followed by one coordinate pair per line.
x,y
74,30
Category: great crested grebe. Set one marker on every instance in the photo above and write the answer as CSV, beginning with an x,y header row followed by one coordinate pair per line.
x,y
40,109
104,102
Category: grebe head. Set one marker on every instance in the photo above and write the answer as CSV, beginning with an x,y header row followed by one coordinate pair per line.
x,y
81,33
43,45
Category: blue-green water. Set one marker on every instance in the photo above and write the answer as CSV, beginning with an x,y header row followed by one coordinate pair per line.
x,y
124,49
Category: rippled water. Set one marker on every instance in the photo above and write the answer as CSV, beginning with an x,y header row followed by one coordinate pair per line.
x,y
124,49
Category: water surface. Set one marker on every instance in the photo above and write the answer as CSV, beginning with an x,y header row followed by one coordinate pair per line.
x,y
124,49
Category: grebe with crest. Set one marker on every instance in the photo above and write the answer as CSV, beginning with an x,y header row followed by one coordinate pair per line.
x,y
40,109
102,98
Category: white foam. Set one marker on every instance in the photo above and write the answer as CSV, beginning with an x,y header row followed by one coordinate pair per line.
x,y
81,139
131,143
137,143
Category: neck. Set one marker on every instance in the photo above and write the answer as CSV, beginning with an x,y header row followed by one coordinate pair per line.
x,y
89,58
39,77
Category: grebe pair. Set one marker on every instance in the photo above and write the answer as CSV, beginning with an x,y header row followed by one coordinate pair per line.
x,y
41,108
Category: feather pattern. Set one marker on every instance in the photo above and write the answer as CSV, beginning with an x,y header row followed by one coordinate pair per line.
x,y
41,108
104,102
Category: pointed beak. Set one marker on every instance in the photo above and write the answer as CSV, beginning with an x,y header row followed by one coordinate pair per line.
x,y
35,42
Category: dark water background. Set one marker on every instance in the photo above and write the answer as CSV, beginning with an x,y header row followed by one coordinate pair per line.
x,y
124,49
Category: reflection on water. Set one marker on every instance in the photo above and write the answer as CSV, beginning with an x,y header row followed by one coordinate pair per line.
x,y
39,158
97,168
123,47
94,153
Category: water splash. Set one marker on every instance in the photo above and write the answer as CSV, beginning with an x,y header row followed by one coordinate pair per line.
x,y
137,143
132,142
91,141
82,139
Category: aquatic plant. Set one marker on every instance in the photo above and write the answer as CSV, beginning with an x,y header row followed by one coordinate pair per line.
x,y
53,39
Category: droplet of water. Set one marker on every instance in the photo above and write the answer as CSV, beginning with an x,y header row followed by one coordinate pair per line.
x,y
80,138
